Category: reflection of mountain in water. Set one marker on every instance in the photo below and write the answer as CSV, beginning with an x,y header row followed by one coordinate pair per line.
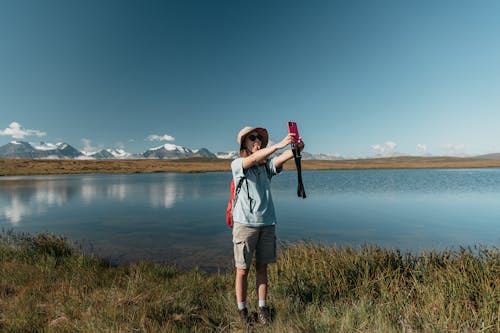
x,y
164,195
16,210
19,200
168,192
25,199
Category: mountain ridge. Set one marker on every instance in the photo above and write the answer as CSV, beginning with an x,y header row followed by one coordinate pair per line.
x,y
62,150
168,151
22,149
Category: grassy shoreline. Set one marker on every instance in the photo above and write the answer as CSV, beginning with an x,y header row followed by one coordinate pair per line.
x,y
48,286
18,167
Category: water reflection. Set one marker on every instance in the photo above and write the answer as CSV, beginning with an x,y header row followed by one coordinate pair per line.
x,y
117,191
50,194
164,195
88,192
16,210
24,197
93,191
179,218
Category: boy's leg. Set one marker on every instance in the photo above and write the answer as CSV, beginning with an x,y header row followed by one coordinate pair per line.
x,y
241,285
261,278
244,239
265,254
263,311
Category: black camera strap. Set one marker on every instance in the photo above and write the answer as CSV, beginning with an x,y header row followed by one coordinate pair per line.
x,y
297,157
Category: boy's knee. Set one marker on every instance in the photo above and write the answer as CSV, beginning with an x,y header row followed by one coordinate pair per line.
x,y
242,272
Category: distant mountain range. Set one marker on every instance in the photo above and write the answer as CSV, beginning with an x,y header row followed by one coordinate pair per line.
x,y
22,149
171,151
495,156
62,150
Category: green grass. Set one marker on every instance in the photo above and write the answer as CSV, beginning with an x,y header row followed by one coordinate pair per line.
x,y
47,285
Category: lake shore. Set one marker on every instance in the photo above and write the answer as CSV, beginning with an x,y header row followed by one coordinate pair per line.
x,y
24,167
46,284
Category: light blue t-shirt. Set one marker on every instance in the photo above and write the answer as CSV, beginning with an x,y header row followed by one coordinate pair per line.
x,y
254,206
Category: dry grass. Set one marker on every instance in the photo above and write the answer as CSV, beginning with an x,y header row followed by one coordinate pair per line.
x,y
45,287
14,167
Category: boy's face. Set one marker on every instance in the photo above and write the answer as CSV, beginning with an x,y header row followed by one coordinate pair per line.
x,y
253,141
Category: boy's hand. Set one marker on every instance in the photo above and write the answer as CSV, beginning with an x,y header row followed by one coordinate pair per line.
x,y
300,144
287,140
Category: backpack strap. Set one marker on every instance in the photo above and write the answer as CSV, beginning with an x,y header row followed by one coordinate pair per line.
x,y
237,190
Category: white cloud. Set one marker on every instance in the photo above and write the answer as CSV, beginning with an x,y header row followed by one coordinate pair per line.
x,y
391,145
155,137
385,149
88,147
16,131
422,148
455,149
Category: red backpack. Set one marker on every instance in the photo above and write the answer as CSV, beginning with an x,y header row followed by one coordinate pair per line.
x,y
233,197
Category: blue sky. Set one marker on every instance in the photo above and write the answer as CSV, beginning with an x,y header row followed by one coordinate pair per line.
x,y
359,77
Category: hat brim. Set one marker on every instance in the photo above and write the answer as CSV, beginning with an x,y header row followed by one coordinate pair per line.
x,y
262,131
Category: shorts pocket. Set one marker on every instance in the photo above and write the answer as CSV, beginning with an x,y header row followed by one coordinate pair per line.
x,y
241,254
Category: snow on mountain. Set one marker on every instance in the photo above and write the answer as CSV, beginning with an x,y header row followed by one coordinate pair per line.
x,y
22,149
229,155
45,150
18,149
171,151
66,151
167,151
62,150
108,154
172,147
203,152
62,145
46,146
119,153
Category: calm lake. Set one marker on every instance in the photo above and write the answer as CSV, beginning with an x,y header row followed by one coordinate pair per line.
x,y
180,218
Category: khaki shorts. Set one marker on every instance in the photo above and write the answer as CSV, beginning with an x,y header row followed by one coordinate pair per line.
x,y
250,240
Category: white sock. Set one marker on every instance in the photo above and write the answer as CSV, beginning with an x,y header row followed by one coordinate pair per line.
x,y
262,303
242,305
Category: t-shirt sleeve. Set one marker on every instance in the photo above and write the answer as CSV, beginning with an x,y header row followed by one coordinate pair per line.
x,y
272,167
237,169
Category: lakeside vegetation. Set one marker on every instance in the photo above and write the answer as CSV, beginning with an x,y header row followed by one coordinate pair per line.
x,y
48,285
18,167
